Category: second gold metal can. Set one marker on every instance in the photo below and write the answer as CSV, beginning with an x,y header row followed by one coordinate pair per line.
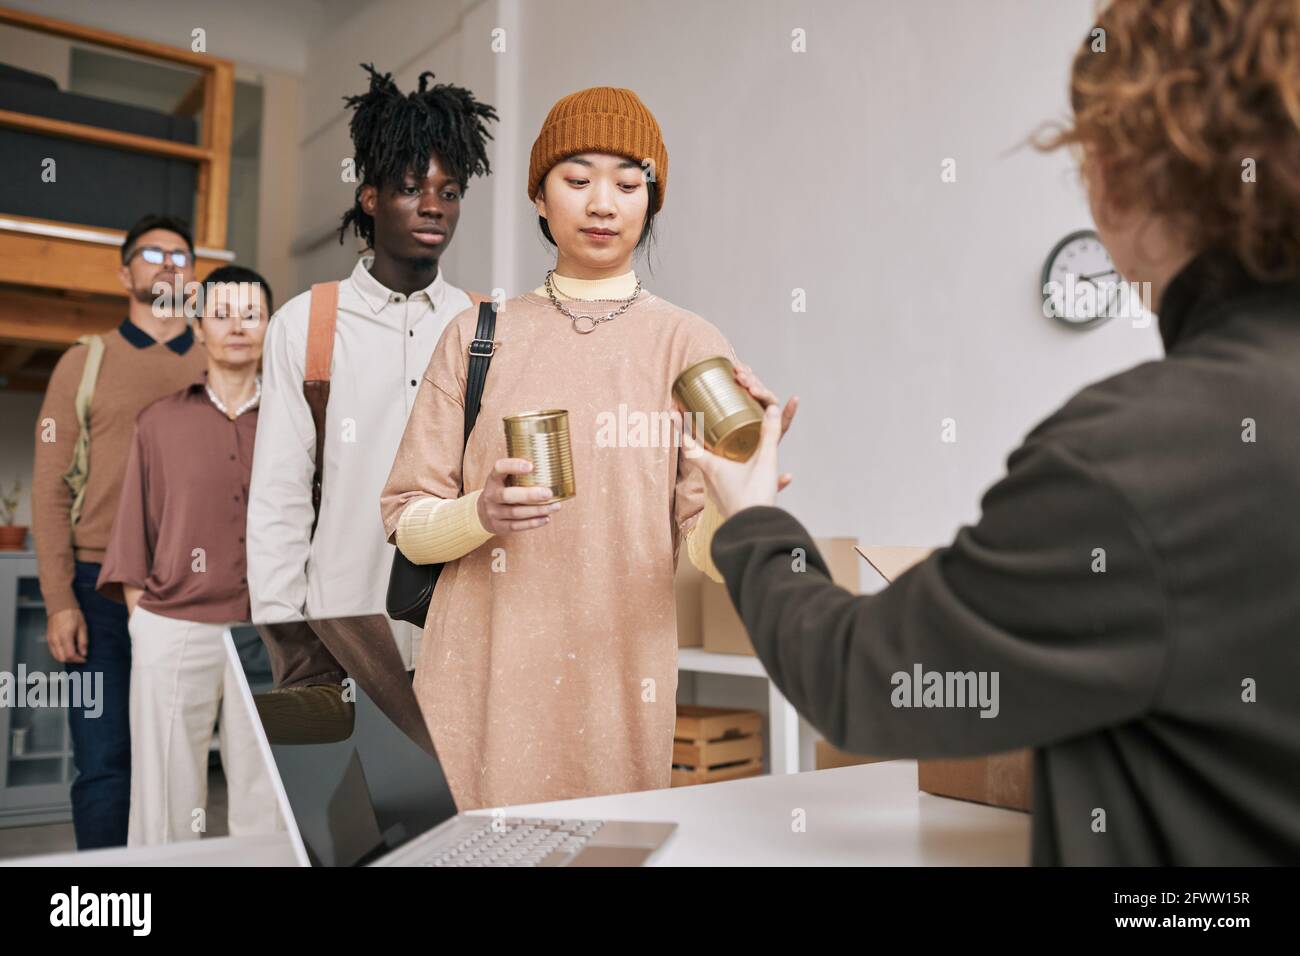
x,y
731,420
542,437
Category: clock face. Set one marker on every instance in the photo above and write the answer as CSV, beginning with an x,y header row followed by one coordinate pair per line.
x,y
1080,284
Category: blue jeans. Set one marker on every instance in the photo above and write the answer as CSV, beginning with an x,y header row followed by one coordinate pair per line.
x,y
101,746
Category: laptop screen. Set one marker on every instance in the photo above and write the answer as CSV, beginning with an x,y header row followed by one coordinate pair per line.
x,y
357,785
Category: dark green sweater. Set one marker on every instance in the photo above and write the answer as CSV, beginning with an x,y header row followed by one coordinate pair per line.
x,y
1133,684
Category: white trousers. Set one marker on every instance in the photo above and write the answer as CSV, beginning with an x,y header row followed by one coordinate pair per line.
x,y
180,681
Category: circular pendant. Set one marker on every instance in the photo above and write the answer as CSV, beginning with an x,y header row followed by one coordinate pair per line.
x,y
584,324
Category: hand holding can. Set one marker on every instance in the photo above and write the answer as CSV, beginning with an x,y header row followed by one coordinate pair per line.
x,y
730,420
542,437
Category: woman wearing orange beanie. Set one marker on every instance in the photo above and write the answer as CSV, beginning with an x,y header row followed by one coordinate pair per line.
x,y
548,668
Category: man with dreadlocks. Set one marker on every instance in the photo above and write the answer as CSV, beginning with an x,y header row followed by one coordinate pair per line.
x,y
344,362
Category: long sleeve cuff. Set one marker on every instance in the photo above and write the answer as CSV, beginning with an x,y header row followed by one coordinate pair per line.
x,y
699,539
435,530
56,568
59,599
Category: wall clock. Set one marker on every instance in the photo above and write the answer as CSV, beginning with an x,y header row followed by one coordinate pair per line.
x,y
1080,284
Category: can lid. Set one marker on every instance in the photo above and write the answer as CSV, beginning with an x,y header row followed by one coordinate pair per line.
x,y
741,442
536,414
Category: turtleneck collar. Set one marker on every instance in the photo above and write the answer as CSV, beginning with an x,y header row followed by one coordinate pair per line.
x,y
614,287
1200,291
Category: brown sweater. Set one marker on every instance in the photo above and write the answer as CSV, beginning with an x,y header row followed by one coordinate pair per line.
x,y
131,376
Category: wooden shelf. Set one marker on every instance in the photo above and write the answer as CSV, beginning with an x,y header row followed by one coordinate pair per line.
x,y
59,281
103,137
118,41
217,95
709,662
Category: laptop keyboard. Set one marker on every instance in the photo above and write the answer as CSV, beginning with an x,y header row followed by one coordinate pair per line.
x,y
517,841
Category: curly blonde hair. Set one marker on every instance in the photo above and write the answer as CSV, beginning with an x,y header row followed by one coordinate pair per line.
x,y
1193,108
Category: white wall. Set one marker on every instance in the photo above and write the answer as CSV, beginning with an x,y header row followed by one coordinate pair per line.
x,y
817,171
36,52
405,38
279,193
821,171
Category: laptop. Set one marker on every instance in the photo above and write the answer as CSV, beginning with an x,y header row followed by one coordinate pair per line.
x,y
376,798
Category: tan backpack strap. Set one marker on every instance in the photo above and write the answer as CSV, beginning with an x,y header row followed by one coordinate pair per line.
x,y
321,319
89,375
78,472
322,316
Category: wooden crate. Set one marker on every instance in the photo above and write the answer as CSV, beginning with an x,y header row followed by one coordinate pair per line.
x,y
716,743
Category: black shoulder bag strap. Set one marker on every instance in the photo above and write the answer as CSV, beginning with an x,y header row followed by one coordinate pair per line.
x,y
410,585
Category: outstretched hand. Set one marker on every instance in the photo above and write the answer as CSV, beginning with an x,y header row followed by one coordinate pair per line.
x,y
735,485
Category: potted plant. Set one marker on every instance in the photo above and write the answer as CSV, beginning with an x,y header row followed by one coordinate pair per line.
x,y
12,537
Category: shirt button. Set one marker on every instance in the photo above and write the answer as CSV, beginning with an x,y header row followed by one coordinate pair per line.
x,y
236,497
241,540
412,381
232,457
411,332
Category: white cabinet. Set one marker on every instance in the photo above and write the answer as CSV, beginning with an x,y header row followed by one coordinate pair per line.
x,y
36,767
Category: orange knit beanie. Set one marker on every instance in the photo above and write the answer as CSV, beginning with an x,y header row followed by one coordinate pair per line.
x,y
603,119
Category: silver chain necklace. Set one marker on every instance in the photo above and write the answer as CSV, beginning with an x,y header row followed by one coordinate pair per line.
x,y
221,406
587,323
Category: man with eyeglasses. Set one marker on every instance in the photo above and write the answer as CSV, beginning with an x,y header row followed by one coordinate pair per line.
x,y
75,490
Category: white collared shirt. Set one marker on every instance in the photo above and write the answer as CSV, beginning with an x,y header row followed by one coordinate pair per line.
x,y
382,344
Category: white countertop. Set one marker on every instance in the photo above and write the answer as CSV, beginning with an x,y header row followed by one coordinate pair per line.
x,y
268,850
868,815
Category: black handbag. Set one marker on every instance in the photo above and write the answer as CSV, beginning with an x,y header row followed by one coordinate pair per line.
x,y
410,585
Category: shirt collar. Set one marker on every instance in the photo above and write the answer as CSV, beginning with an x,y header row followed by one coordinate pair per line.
x,y
180,344
1199,293
378,296
198,389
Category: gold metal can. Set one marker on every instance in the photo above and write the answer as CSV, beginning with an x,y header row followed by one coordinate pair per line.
x,y
730,418
542,437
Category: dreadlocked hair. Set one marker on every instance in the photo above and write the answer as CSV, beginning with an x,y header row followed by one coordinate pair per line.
x,y
395,133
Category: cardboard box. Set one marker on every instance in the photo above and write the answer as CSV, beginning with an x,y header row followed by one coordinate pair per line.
x,y
724,633
687,587
829,757
999,780
889,561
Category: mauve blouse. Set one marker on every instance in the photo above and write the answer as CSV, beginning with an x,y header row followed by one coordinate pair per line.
x,y
180,525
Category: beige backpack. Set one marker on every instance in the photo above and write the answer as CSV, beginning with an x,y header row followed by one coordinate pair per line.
x,y
79,469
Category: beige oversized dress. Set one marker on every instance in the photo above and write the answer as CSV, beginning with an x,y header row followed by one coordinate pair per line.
x,y
548,668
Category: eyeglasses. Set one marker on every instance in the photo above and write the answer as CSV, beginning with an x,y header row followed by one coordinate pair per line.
x,y
156,256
